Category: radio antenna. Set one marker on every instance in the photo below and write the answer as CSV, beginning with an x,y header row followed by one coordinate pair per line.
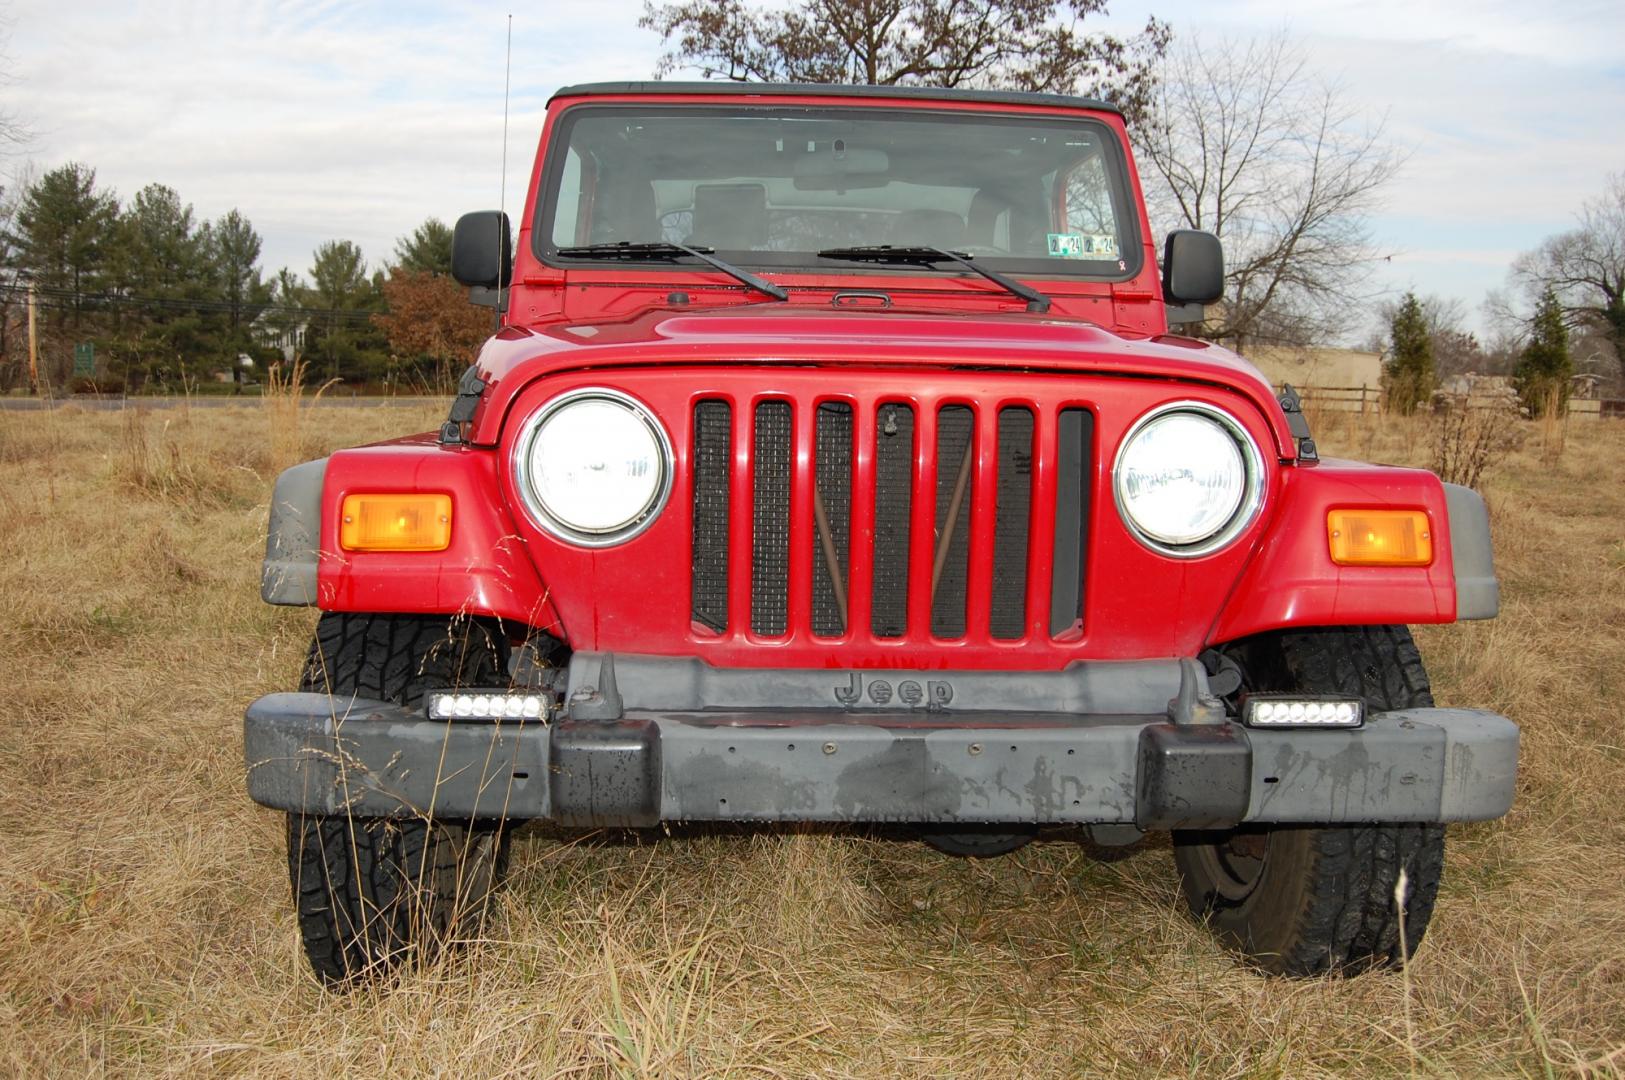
x,y
502,195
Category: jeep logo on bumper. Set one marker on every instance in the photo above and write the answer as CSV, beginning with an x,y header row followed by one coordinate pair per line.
x,y
931,695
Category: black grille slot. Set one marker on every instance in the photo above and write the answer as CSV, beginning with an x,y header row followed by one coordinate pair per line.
x,y
713,447
770,539
956,430
832,511
1012,519
1075,437
894,470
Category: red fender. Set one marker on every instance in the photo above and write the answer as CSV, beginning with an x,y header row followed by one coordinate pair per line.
x,y
485,571
1292,581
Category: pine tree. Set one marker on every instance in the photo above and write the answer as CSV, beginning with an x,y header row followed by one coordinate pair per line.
x,y
427,249
64,237
346,344
1408,374
159,263
234,255
1543,371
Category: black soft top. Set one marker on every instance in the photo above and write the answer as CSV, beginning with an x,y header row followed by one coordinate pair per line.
x,y
756,89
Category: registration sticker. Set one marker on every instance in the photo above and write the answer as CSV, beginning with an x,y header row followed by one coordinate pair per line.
x,y
1065,245
1082,246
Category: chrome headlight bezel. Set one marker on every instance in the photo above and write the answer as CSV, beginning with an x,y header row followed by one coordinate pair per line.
x,y
545,518
1247,507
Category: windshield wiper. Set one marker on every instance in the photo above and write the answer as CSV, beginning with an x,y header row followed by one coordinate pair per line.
x,y
638,252
925,256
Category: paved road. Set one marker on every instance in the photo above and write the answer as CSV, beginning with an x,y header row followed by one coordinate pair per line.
x,y
113,404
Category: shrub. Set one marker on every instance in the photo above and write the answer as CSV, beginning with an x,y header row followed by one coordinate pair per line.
x,y
1472,433
102,386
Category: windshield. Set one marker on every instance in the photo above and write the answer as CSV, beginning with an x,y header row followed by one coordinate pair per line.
x,y
772,186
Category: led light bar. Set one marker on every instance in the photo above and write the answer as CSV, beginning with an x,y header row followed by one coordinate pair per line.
x,y
486,705
1269,711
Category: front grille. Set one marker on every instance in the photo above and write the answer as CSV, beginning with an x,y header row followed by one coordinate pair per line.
x,y
896,519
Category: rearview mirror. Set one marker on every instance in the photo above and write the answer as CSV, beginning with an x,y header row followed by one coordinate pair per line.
x,y
482,250
1192,267
842,169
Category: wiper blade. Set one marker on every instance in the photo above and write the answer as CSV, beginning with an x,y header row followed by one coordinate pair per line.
x,y
886,253
638,252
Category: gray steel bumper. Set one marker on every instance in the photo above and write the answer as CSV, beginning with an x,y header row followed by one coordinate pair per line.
x,y
384,760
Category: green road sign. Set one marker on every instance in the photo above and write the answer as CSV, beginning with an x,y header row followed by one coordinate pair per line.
x,y
84,358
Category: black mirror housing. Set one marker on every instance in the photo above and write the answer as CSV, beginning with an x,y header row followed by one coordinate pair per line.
x,y
1192,267
482,250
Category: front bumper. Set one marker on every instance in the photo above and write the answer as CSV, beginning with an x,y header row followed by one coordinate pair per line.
x,y
317,754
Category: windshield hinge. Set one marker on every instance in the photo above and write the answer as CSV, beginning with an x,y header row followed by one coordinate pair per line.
x,y
469,388
1297,423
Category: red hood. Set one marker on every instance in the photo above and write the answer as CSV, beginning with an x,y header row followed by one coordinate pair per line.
x,y
792,334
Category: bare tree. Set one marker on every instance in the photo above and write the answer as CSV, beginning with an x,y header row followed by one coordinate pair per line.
x,y
1016,44
13,132
1585,268
1245,142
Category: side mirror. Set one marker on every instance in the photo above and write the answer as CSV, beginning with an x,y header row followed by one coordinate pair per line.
x,y
482,250
1192,267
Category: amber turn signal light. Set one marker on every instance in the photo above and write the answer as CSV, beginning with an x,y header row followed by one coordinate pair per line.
x,y
1379,537
395,523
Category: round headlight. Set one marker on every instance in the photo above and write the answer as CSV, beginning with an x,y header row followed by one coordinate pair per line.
x,y
594,467
1188,479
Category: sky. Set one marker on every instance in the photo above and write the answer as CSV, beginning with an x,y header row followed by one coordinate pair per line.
x,y
323,120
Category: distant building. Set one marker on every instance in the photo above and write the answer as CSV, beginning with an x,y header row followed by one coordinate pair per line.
x,y
1333,378
1585,386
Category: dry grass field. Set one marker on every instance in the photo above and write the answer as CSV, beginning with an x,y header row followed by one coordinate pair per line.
x,y
145,923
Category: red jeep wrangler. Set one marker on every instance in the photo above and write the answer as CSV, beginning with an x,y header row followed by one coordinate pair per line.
x,y
833,462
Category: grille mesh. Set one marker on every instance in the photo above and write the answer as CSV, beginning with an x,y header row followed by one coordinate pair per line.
x,y
713,446
770,548
834,475
1011,517
894,463
955,450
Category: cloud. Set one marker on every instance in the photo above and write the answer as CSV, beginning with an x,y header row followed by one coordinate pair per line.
x,y
317,120
323,120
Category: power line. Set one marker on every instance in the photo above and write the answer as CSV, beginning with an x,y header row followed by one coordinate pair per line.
x,y
58,299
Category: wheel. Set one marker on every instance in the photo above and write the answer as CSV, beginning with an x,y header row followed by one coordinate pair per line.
x,y
1304,900
371,893
981,842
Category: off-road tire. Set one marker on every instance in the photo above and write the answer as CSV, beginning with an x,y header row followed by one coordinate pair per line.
x,y
371,893
1315,899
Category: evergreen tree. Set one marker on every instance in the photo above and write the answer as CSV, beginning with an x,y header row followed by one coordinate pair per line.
x,y
64,236
159,263
1543,371
1408,375
234,256
340,336
285,322
428,249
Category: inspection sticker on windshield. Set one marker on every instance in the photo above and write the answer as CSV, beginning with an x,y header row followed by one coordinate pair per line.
x,y
1082,246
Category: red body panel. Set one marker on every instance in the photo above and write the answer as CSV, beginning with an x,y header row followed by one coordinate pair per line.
x,y
771,334
1292,580
947,339
634,597
485,571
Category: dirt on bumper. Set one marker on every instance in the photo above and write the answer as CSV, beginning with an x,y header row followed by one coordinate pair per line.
x,y
316,754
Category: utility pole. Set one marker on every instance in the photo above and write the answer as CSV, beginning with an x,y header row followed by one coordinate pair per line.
x,y
33,342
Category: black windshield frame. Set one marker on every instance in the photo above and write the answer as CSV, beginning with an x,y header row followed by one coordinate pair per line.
x,y
1124,207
